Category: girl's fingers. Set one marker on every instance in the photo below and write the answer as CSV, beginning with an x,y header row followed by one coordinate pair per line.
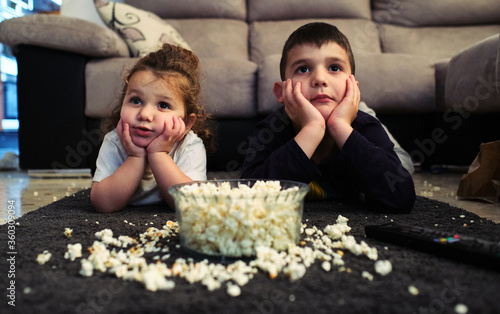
x,y
119,128
126,131
181,128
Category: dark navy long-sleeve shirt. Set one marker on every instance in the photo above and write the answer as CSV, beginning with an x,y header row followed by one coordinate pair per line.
x,y
366,163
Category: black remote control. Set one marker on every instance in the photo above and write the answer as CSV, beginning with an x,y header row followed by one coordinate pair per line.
x,y
463,248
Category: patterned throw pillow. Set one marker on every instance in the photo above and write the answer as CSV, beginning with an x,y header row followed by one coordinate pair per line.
x,y
143,31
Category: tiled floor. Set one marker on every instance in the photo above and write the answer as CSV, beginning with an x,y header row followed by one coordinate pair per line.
x,y
26,193
443,187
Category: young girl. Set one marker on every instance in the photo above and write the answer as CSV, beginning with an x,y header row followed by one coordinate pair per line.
x,y
159,133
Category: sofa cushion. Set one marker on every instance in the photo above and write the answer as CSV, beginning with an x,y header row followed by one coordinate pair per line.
x,y
225,82
441,70
260,10
103,85
434,13
224,9
214,38
267,38
269,72
229,87
473,79
63,33
82,9
143,31
383,83
397,83
440,42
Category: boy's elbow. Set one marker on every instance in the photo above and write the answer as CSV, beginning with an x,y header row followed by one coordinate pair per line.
x,y
403,198
399,205
405,208
404,205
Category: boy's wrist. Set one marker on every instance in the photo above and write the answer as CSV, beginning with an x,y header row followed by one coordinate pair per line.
x,y
318,126
337,126
340,132
313,132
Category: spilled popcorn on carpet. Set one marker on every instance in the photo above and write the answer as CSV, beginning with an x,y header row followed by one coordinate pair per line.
x,y
124,257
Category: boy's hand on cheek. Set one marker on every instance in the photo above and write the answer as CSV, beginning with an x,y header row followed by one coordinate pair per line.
x,y
346,111
299,109
123,130
174,130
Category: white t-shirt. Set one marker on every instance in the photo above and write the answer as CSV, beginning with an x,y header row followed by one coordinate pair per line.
x,y
189,155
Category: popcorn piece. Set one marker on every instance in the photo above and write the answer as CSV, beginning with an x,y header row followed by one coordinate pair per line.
x,y
295,271
68,232
339,229
154,278
327,266
44,257
233,290
367,275
383,267
74,251
310,231
87,268
413,290
461,308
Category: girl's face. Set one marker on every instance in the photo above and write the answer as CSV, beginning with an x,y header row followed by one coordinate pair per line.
x,y
149,101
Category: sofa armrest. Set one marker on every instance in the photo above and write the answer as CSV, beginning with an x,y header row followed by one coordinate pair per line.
x,y
473,79
63,33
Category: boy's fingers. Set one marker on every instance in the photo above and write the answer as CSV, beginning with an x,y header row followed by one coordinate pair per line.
x,y
298,96
357,92
352,87
297,89
287,91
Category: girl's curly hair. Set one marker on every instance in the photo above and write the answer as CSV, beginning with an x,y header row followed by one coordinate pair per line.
x,y
181,66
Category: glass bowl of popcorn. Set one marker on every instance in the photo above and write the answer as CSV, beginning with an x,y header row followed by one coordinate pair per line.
x,y
233,217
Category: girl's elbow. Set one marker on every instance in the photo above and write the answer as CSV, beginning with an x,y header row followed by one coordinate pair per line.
x,y
102,204
106,208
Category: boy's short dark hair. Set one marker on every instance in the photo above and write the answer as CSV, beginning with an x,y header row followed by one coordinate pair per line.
x,y
316,33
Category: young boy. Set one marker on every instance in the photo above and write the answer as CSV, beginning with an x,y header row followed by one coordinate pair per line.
x,y
319,136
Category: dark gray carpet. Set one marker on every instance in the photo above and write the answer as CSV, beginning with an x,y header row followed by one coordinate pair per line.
x,y
56,287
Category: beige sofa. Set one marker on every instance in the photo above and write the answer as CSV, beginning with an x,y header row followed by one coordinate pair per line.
x,y
430,70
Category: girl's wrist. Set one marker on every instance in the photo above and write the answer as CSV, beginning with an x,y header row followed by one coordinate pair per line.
x,y
138,158
155,155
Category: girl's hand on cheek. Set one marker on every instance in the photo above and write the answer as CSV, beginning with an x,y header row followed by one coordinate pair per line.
x,y
174,130
123,130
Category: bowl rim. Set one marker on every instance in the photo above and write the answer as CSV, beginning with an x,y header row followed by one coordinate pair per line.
x,y
174,188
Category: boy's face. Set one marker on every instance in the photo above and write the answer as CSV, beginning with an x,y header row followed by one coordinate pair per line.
x,y
323,72
148,103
